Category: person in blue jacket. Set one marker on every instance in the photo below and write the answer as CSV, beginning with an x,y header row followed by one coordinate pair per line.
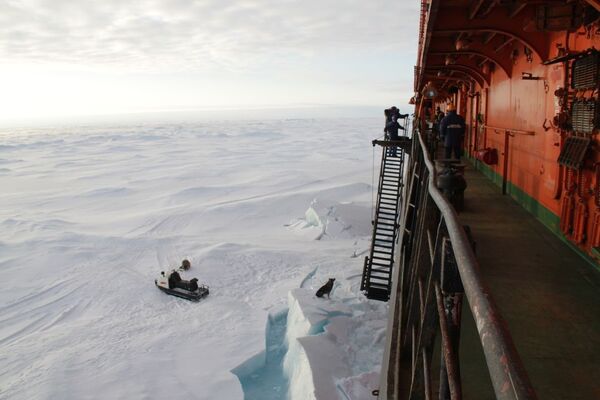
x,y
392,130
452,131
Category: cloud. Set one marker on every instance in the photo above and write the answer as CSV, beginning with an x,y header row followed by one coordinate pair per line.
x,y
157,35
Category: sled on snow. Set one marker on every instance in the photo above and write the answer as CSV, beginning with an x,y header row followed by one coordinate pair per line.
x,y
171,283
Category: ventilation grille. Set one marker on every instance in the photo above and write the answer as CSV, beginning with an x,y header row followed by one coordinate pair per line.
x,y
573,152
584,116
585,72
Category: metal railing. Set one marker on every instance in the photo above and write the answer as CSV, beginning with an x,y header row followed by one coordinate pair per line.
x,y
437,267
508,133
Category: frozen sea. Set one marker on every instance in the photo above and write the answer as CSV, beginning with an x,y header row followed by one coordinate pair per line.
x,y
89,215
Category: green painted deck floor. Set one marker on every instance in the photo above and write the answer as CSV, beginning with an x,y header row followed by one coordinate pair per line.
x,y
548,295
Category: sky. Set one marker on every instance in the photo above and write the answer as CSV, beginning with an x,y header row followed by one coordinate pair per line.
x,y
65,58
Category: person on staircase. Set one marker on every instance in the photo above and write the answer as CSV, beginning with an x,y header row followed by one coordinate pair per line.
x,y
392,128
452,130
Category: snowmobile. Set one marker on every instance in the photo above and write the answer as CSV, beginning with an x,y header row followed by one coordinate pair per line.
x,y
171,283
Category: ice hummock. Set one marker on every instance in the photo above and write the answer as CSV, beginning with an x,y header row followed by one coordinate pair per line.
x,y
318,351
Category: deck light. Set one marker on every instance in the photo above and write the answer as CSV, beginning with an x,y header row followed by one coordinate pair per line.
x,y
430,91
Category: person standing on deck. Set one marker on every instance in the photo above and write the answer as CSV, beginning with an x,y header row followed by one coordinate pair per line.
x,y
392,130
389,112
452,130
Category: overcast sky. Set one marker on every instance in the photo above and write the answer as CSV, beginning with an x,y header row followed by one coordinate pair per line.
x,y
61,58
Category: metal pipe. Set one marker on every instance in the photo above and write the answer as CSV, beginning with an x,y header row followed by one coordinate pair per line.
x,y
471,124
507,134
477,100
449,356
426,375
507,373
505,162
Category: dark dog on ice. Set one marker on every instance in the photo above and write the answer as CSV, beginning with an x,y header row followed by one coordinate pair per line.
x,y
326,288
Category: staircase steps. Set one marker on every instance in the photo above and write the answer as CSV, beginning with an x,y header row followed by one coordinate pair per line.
x,y
377,274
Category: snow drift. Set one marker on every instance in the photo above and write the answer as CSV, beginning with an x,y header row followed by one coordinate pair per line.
x,y
90,215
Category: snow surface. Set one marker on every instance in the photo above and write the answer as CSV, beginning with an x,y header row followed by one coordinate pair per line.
x,y
266,211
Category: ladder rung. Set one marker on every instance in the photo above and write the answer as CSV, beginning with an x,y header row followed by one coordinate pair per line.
x,y
383,253
388,259
385,237
386,213
389,248
381,271
378,286
381,278
384,249
382,258
385,223
381,264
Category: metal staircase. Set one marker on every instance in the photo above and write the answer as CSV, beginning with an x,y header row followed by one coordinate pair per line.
x,y
377,273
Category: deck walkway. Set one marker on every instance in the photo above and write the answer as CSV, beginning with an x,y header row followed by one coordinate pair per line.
x,y
549,296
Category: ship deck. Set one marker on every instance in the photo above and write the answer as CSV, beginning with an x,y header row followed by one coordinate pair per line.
x,y
547,293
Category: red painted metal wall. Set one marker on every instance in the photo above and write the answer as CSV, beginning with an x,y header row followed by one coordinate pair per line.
x,y
485,49
530,105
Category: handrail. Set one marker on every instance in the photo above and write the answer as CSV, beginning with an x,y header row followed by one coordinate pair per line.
x,y
506,130
507,373
507,134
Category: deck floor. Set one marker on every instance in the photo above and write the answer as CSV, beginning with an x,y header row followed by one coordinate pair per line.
x,y
548,295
